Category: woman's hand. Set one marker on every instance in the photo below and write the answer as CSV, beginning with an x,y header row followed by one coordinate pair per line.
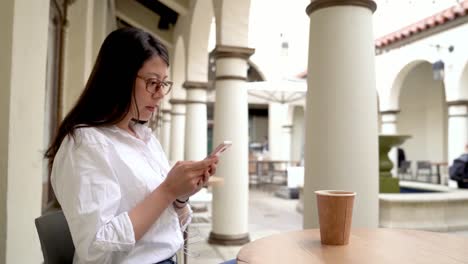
x,y
212,170
188,177
202,181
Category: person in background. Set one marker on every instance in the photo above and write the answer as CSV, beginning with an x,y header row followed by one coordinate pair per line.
x,y
401,157
459,170
122,201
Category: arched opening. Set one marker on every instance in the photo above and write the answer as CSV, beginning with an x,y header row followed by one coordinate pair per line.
x,y
463,84
423,114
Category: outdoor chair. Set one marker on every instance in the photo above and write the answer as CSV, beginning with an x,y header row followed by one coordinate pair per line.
x,y
54,235
278,173
405,170
254,178
424,169
264,173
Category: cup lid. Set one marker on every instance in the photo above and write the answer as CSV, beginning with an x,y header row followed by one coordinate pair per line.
x,y
335,193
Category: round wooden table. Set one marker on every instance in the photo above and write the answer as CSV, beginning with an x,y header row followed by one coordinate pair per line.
x,y
378,245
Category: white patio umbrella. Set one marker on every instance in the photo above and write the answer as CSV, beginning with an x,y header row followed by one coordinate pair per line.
x,y
279,91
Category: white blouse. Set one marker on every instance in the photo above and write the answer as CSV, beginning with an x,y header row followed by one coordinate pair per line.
x,y
98,177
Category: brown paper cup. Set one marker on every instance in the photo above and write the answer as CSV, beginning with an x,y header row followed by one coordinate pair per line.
x,y
335,210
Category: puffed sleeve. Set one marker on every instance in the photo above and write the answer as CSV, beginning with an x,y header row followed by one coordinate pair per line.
x,y
89,193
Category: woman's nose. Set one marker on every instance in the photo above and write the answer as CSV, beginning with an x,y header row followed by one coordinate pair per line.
x,y
159,94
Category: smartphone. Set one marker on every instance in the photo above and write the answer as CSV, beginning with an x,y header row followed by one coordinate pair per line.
x,y
221,148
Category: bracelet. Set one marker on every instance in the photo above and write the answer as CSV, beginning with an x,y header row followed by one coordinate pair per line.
x,y
182,202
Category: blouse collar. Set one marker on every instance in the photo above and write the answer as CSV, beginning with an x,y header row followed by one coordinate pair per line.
x,y
143,132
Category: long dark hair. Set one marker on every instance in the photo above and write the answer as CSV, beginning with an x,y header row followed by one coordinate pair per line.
x,y
107,96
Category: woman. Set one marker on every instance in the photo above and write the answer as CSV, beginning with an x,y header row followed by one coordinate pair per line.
x,y
121,200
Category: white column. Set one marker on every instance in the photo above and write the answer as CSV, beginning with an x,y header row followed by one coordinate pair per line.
x,y
277,116
177,130
104,22
341,128
159,124
297,138
457,130
389,127
79,52
230,200
389,122
165,136
155,123
23,53
196,121
287,134
89,22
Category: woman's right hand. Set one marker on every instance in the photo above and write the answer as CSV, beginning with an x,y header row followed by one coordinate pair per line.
x,y
184,178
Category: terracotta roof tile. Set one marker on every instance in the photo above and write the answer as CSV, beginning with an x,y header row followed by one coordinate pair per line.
x,y
435,20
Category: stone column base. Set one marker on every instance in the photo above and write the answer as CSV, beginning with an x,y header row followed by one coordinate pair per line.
x,y
228,240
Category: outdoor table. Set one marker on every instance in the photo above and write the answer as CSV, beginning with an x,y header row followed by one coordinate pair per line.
x,y
377,245
265,168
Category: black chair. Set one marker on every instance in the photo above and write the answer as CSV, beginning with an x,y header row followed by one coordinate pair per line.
x,y
424,169
56,241
405,170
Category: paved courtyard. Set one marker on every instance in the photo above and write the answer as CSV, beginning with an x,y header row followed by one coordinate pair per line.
x,y
267,215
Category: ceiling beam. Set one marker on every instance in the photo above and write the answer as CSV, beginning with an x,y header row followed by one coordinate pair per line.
x,y
181,7
139,16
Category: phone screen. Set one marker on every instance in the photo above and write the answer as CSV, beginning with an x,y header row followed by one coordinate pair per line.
x,y
221,148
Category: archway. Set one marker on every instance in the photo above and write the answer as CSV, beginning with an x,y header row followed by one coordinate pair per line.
x,y
423,113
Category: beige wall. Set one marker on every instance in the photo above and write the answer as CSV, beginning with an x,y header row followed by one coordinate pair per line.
x,y
423,115
23,70
259,129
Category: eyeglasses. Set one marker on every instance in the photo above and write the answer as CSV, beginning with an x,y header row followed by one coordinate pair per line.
x,y
154,85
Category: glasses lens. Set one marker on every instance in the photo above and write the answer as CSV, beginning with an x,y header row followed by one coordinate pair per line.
x,y
167,87
152,86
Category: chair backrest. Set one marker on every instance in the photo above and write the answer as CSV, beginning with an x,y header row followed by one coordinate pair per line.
x,y
424,165
405,166
56,241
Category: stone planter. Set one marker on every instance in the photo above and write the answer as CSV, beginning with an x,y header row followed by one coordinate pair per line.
x,y
388,184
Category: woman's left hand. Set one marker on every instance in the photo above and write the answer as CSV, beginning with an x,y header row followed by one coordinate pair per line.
x,y
203,181
212,170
